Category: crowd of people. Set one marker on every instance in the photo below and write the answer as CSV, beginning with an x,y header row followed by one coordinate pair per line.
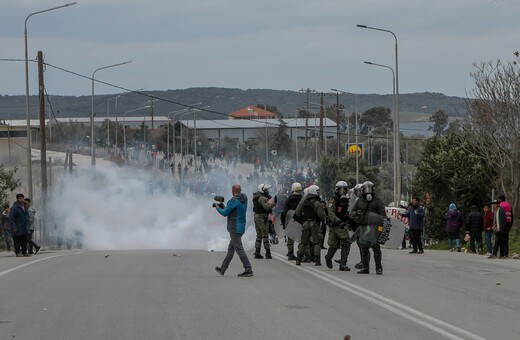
x,y
495,220
18,225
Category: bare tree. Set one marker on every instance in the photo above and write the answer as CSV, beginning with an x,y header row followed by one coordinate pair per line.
x,y
493,123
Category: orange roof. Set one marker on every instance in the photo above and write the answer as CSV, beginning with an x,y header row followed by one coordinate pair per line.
x,y
251,112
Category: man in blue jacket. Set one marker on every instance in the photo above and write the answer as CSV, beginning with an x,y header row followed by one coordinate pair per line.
x,y
236,225
18,219
416,215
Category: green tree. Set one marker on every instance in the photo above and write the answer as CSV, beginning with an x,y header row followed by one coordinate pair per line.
x,y
281,142
374,118
440,122
7,182
449,173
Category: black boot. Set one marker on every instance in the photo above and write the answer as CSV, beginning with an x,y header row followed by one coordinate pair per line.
x,y
378,256
364,271
291,257
298,260
345,249
317,258
257,254
359,265
329,256
268,254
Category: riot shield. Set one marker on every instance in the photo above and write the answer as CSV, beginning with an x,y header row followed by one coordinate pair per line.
x,y
369,234
293,229
399,227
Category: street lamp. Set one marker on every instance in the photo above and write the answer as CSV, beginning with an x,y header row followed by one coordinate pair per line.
x,y
397,150
92,149
27,111
108,118
124,128
175,113
296,111
396,132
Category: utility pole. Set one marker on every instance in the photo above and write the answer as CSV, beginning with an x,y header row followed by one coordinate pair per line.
x,y
43,146
152,113
308,94
322,113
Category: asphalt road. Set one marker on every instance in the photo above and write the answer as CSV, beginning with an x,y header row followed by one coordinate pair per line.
x,y
177,295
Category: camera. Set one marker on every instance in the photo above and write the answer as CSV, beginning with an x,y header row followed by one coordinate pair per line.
x,y
219,202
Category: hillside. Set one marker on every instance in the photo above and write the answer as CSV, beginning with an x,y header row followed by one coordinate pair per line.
x,y
226,100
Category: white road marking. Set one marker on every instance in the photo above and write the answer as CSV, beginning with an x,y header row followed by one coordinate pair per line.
x,y
35,261
400,309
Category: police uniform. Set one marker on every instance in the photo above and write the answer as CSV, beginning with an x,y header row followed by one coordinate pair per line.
x,y
338,231
362,208
311,214
291,203
262,208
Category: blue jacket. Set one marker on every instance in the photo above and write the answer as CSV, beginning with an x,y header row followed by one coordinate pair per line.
x,y
19,220
416,216
235,211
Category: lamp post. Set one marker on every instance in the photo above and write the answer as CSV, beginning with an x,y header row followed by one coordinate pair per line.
x,y
168,135
397,150
124,128
396,159
338,93
27,110
108,118
92,149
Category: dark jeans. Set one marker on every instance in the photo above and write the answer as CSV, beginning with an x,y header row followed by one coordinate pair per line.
x,y
415,236
20,244
475,236
488,236
7,235
506,238
30,242
235,245
365,256
499,243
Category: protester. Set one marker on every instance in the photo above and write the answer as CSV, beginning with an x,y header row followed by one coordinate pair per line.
x,y
488,228
453,225
5,227
31,223
509,222
18,219
475,223
499,227
415,213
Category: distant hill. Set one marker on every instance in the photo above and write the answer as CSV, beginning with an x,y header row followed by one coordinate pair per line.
x,y
223,101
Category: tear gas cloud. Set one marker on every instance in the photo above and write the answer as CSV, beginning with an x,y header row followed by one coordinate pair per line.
x,y
123,208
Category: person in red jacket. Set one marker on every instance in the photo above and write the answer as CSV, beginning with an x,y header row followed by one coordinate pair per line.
x,y
509,222
488,228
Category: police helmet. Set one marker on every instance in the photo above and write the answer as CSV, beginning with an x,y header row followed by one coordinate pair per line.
x,y
296,188
264,188
358,190
341,188
314,190
368,188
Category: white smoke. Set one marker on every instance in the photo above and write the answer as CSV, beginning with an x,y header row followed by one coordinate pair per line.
x,y
123,208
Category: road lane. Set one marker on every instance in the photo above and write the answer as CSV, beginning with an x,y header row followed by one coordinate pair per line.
x,y
177,295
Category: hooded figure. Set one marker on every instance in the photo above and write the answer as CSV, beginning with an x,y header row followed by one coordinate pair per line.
x,y
453,225
474,228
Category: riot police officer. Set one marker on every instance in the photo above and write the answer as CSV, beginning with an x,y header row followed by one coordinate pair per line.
x,y
262,208
291,203
338,226
366,204
311,214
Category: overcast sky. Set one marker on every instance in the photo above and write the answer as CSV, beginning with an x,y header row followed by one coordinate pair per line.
x,y
250,44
